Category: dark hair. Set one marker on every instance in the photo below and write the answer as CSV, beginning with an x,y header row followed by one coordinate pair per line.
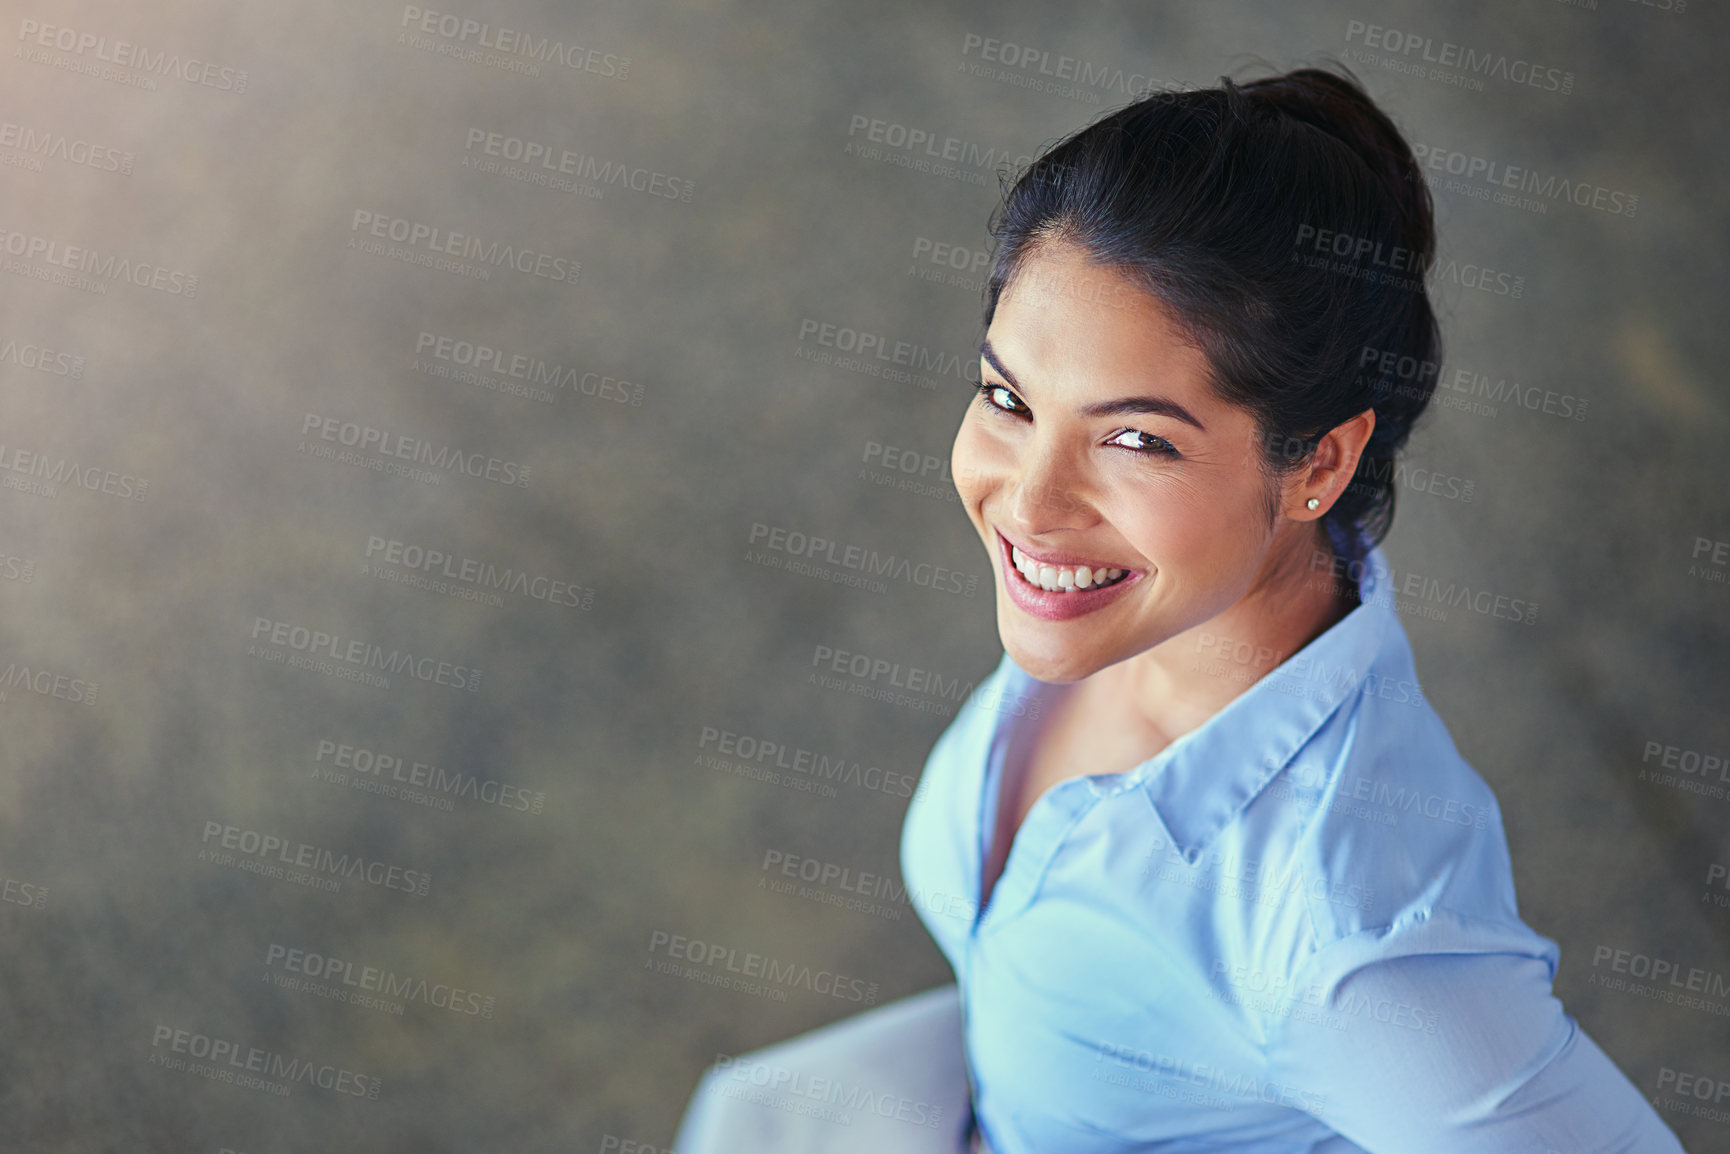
x,y
1286,224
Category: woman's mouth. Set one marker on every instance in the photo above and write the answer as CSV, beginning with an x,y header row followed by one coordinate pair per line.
x,y
1064,578
1061,591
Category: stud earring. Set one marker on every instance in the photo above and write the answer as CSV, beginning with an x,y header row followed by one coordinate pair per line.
x,y
1313,503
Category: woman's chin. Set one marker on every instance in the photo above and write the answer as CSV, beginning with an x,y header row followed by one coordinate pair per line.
x,y
1056,665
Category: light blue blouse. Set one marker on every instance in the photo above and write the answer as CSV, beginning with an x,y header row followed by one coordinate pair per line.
x,y
1292,931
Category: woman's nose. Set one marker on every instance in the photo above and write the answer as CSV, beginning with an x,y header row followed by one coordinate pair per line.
x,y
1046,494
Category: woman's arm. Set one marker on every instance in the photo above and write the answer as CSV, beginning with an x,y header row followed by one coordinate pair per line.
x,y
1447,1052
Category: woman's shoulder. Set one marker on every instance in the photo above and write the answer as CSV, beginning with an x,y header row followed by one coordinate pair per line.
x,y
1003,696
1397,814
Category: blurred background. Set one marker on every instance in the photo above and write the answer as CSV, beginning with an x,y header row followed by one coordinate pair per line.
x,y
419,423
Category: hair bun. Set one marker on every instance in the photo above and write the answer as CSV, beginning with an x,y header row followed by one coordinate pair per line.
x,y
1337,104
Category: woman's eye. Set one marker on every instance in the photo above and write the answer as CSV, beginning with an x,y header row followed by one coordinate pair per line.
x,y
1142,442
999,397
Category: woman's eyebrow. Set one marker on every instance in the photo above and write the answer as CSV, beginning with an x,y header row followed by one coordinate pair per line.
x,y
1122,407
1129,406
990,354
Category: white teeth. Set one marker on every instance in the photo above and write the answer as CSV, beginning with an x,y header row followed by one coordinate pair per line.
x,y
1061,579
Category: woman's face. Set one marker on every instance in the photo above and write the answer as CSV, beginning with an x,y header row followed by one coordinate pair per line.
x,y
1098,457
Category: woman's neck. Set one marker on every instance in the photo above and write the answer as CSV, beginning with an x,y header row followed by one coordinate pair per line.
x,y
1182,682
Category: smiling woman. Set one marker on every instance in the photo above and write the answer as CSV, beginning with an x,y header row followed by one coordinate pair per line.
x,y
1174,508
1234,888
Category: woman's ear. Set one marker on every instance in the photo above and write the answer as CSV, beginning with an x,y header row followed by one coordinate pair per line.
x,y
1312,491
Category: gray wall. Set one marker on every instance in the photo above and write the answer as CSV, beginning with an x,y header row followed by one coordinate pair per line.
x,y
180,600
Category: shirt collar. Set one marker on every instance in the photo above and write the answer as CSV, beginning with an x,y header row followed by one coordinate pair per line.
x,y
1203,780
